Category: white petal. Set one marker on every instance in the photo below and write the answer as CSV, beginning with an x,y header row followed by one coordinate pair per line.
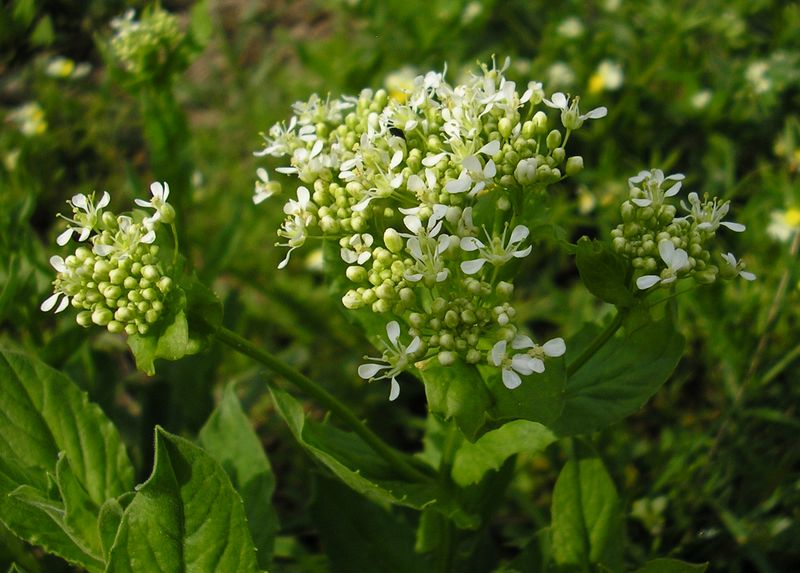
x,y
367,371
646,281
50,302
361,205
511,379
641,202
490,148
432,160
413,277
79,201
262,174
471,244
396,159
472,267
316,148
149,237
554,347
363,257
285,260
104,200
498,353
65,303
523,364
303,196
675,177
286,170
348,256
673,190
596,113
666,249
394,392
459,185
142,203
58,264
471,163
521,341
748,276
414,346
680,260
64,237
490,170
157,189
537,365
442,275
103,250
519,233
559,101
415,183
738,227
85,231
393,332
412,223
639,177
730,259
523,253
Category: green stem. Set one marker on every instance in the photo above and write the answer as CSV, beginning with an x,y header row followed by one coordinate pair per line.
x,y
392,456
444,559
596,344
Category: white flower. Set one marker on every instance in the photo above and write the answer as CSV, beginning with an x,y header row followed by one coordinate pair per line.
x,y
127,239
160,193
473,177
396,358
608,76
675,259
498,252
738,267
86,214
784,224
571,116
560,74
295,231
264,187
652,181
525,363
357,249
51,301
571,28
426,252
708,215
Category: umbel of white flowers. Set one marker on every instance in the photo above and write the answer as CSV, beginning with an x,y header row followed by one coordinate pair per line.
x,y
115,277
395,182
666,247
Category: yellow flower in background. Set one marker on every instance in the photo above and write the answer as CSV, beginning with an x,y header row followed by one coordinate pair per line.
x,y
29,118
65,68
400,83
784,224
607,77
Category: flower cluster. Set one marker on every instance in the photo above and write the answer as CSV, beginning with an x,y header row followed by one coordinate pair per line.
x,y
141,46
115,277
426,195
666,247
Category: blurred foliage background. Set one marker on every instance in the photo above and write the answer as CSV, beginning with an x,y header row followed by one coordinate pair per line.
x,y
709,469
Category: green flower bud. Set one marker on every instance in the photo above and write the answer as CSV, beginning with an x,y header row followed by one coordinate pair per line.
x,y
553,139
164,284
446,358
102,316
451,318
574,165
84,318
540,123
473,356
115,327
393,241
150,272
558,154
504,290
356,274
167,213
504,126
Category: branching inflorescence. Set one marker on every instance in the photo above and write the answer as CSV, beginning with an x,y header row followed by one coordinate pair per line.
x,y
427,198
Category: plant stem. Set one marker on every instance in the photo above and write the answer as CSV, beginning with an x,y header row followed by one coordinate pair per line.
x,y
596,344
445,551
328,400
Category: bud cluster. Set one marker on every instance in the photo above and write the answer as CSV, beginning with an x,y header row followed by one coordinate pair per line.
x,y
115,277
396,184
141,46
666,247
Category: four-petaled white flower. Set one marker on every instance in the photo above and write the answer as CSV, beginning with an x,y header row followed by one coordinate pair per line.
x,y
87,215
524,363
160,192
497,252
675,259
571,116
708,215
396,358
358,249
652,182
474,176
51,301
738,267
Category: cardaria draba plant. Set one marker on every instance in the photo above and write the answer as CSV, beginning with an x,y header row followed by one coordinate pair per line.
x,y
424,203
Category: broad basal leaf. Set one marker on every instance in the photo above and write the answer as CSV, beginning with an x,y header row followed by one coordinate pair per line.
x,y
229,438
46,417
587,523
185,518
358,466
620,378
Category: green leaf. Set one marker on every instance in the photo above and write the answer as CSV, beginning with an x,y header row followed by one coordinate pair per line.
x,y
229,438
540,397
109,520
603,272
81,511
16,569
587,522
185,518
620,378
671,566
457,392
358,535
489,452
359,467
45,417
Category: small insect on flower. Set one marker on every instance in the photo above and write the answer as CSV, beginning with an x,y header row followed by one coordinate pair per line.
x,y
396,358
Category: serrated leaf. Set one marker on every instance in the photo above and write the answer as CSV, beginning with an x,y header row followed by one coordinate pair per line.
x,y
44,414
586,517
457,392
353,462
229,438
603,272
359,536
185,518
540,397
473,460
671,566
620,377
